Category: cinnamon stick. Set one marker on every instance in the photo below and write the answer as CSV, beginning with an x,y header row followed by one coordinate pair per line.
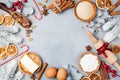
x,y
114,6
67,6
102,72
105,71
42,71
115,13
63,3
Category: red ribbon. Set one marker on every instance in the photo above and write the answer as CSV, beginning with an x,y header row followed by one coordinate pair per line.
x,y
102,49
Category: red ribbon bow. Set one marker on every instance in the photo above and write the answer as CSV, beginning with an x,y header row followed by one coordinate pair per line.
x,y
102,49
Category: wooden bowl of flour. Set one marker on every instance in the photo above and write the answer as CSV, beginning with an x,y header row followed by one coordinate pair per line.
x,y
85,10
89,62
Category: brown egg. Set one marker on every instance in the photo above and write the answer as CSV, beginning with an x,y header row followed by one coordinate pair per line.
x,y
62,74
51,72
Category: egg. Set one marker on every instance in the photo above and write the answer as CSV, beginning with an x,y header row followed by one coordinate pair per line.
x,y
51,72
62,74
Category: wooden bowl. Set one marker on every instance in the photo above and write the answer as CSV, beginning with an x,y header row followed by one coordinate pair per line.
x,y
93,13
35,58
93,70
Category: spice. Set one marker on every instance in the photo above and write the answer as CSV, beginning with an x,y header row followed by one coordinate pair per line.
x,y
115,49
33,27
46,1
88,48
59,6
32,77
45,10
39,4
42,71
30,39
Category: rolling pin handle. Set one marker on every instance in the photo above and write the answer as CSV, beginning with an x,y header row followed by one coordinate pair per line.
x,y
117,65
90,35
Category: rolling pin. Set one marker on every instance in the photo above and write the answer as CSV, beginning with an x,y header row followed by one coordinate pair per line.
x,y
111,58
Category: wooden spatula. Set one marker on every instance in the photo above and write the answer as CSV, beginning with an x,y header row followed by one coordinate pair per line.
x,y
23,21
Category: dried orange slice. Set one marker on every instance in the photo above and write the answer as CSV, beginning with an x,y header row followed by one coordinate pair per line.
x,y
102,4
8,20
95,76
3,54
1,18
86,78
11,50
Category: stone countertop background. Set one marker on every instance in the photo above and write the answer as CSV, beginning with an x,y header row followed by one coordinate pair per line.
x,y
59,39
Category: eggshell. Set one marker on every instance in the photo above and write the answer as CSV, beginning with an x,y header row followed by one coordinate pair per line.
x,y
62,74
51,72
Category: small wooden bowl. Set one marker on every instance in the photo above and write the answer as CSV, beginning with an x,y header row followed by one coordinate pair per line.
x,y
35,58
81,67
92,17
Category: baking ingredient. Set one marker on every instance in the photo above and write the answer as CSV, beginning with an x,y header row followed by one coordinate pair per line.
x,y
45,10
11,50
32,77
42,71
8,20
105,71
59,6
89,62
113,7
86,78
1,18
46,1
62,74
88,48
30,65
95,76
102,72
116,49
103,4
51,72
85,10
3,54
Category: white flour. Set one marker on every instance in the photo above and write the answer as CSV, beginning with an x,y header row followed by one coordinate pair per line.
x,y
89,63
85,10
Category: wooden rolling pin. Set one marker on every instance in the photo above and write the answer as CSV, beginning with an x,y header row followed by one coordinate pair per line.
x,y
111,58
